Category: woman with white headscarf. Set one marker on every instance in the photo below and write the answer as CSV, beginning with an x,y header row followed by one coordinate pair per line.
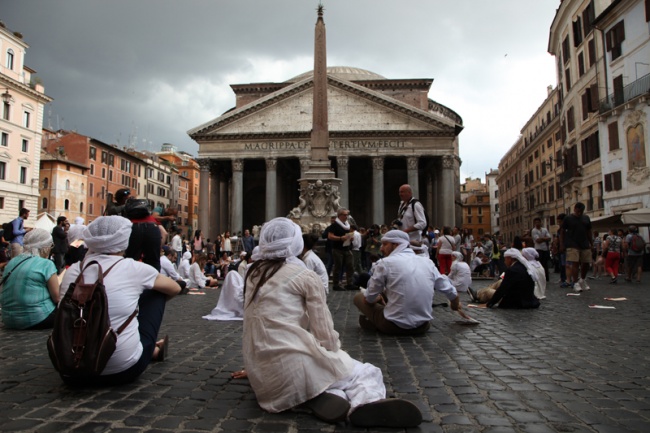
x,y
130,286
184,268
292,354
532,256
30,287
517,290
460,275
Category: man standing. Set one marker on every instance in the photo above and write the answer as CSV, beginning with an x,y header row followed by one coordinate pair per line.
x,y
177,246
542,239
634,246
407,282
19,232
356,248
411,214
60,239
248,241
576,241
339,234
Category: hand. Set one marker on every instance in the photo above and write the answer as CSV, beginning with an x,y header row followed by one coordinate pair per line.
x,y
241,374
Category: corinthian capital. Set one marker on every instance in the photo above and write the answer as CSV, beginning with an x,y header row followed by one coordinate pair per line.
x,y
378,163
237,165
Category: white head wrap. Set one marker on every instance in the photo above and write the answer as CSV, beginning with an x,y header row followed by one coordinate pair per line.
x,y
458,256
516,254
280,238
36,239
79,221
531,255
397,237
75,232
108,234
187,255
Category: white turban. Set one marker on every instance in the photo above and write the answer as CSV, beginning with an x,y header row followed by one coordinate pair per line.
x,y
458,256
187,255
36,239
397,237
79,221
530,268
280,238
75,232
108,234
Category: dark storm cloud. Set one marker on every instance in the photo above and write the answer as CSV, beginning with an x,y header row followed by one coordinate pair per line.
x,y
153,69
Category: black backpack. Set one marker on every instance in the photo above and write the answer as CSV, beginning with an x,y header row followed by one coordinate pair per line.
x,y
426,217
136,208
8,231
82,340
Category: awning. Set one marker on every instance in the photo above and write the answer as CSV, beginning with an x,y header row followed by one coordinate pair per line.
x,y
606,222
640,217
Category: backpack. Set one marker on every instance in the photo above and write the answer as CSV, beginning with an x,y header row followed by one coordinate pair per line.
x,y
82,340
637,244
8,231
426,216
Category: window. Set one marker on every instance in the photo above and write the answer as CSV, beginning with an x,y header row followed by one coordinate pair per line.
x,y
581,64
592,52
83,187
111,160
92,153
10,59
81,207
66,204
614,39
3,170
551,193
567,78
103,173
588,16
612,130
469,211
570,121
577,32
91,189
110,175
566,53
104,157
6,109
619,95
613,181
92,169
90,209
5,139
25,145
44,203
46,183
26,118
67,185
23,175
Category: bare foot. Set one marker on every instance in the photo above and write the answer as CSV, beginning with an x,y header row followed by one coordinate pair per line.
x,y
241,374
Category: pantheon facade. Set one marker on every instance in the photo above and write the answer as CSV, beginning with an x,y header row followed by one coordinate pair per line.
x,y
383,133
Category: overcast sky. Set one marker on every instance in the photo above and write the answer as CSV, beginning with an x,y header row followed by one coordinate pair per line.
x,y
146,71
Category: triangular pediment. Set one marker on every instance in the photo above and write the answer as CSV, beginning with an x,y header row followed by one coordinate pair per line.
x,y
350,108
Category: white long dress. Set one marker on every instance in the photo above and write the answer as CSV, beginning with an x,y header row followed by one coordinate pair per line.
x,y
231,299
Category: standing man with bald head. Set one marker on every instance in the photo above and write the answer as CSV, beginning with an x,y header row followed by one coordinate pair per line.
x,y
411,214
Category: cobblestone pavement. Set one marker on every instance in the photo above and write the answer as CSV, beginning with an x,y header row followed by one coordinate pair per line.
x,y
562,368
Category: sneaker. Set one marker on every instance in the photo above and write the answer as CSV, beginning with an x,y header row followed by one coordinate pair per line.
x,y
577,288
583,284
592,277
390,412
565,284
327,407
613,280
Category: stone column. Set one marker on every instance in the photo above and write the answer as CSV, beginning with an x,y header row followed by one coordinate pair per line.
x,y
378,190
214,204
304,166
342,165
271,188
412,170
447,201
204,194
430,196
438,191
237,195
223,203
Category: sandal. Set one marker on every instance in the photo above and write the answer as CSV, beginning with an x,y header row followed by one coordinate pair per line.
x,y
163,346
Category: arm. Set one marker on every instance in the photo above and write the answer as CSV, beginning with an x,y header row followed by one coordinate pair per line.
x,y
17,230
377,283
53,288
420,219
166,286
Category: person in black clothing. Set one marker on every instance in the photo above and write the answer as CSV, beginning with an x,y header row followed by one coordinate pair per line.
x,y
339,234
60,239
329,260
517,290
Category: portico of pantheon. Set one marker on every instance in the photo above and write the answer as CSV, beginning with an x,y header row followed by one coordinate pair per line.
x,y
383,133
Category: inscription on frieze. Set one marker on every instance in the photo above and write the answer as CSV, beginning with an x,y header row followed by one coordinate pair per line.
x,y
334,145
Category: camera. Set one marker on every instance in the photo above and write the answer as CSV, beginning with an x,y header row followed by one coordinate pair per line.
x,y
396,224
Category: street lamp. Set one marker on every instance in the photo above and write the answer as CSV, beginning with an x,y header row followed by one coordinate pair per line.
x,y
6,96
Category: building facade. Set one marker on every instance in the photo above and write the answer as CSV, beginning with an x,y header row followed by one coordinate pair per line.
x,y
383,133
63,186
23,101
476,207
185,190
493,191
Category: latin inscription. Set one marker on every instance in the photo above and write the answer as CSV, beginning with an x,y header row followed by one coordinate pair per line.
x,y
334,144
277,145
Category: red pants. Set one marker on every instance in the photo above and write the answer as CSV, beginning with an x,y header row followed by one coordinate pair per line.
x,y
444,261
611,263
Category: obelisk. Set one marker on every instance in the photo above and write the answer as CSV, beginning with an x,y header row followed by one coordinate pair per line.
x,y
319,189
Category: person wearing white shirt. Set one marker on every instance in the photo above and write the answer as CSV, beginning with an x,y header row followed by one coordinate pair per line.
x,y
408,282
198,280
184,267
411,214
168,270
460,274
313,262
356,248
177,245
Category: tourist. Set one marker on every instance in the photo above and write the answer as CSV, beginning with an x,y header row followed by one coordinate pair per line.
x,y
517,289
532,255
446,246
613,246
313,262
20,230
635,247
197,242
460,274
339,234
198,280
575,240
541,242
410,215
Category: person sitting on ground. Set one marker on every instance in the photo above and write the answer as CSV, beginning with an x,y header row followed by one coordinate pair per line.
x,y
517,289
130,286
292,354
460,274
407,282
184,268
532,256
312,261
30,287
167,261
210,269
480,263
198,280
224,264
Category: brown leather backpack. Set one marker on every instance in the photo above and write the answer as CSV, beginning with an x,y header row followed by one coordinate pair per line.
x,y
83,340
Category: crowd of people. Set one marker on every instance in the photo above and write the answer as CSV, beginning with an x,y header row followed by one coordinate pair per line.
x,y
278,285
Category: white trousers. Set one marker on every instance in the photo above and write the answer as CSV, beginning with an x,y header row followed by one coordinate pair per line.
x,y
364,385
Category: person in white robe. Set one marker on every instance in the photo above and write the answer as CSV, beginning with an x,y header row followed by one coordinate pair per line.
x,y
198,280
231,299
184,268
460,275
313,262
292,354
532,256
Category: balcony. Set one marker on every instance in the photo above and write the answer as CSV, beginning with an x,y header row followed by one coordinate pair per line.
x,y
570,173
631,91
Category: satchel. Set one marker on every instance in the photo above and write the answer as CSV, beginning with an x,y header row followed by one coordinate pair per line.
x,y
137,208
